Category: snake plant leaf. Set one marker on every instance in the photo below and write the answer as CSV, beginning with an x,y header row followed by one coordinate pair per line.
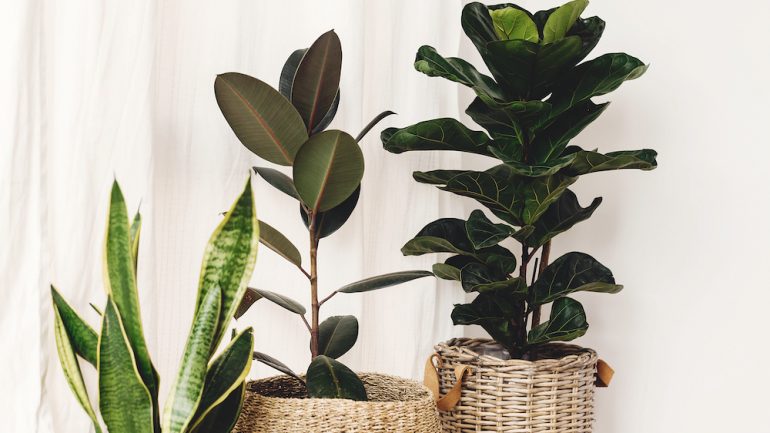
x,y
289,70
484,233
560,217
124,400
377,119
562,19
80,335
136,228
276,364
567,322
327,169
572,272
551,140
262,119
249,298
329,378
229,258
492,311
223,417
502,125
446,272
432,64
187,389
333,219
591,162
383,281
436,134
280,300
66,349
317,79
226,373
278,180
337,335
435,177
276,241
120,284
513,23
593,78
97,310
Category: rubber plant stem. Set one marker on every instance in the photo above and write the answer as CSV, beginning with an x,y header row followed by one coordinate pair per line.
x,y
544,257
315,306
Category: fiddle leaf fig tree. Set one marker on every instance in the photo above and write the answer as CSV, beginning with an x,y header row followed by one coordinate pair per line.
x,y
207,392
288,127
538,98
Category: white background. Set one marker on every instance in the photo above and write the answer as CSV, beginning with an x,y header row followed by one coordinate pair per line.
x,y
96,89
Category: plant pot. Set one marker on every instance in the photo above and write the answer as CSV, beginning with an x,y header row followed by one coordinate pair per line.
x,y
554,393
280,405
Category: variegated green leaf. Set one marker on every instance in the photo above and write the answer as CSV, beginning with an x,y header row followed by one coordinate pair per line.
x,y
83,338
223,417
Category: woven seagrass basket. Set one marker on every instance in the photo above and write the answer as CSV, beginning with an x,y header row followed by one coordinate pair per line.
x,y
495,395
280,405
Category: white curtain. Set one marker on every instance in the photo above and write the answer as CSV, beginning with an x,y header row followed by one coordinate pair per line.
x,y
93,90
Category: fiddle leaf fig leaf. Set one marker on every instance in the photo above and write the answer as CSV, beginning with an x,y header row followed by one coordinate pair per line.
x,y
278,180
432,64
562,19
337,335
541,169
446,272
512,23
591,162
560,217
437,134
329,378
502,125
476,277
262,119
550,141
382,281
436,177
572,272
567,322
484,233
478,26
276,364
279,243
492,311
280,300
430,244
317,79
333,219
445,235
327,169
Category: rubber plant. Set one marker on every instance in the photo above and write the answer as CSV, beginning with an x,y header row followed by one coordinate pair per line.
x,y
287,127
208,389
538,98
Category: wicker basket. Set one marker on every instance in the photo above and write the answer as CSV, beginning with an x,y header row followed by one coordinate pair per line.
x,y
279,405
546,395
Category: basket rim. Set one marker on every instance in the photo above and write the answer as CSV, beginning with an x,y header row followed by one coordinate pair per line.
x,y
462,347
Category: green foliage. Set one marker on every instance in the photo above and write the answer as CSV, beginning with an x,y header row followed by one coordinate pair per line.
x,y
207,393
538,98
288,127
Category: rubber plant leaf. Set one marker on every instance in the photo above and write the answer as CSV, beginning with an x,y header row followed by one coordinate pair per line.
x,y
276,364
80,335
124,400
333,219
278,180
280,300
279,243
337,335
572,272
382,281
223,417
567,322
329,378
437,134
317,79
262,119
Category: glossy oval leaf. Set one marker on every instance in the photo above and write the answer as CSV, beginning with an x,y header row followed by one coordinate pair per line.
x,y
82,337
567,322
382,281
572,272
372,123
279,243
436,134
276,364
249,298
124,400
337,335
288,72
317,79
562,19
327,169
484,233
262,119
512,23
278,180
333,219
329,378
281,300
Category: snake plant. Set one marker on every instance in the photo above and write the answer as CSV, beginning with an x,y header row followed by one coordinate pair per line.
x,y
287,127
538,98
208,389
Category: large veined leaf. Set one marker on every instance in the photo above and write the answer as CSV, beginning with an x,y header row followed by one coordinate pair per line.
x,y
66,349
567,322
484,233
278,180
445,235
478,26
513,23
329,378
572,272
224,416
432,64
436,134
80,335
382,281
120,284
225,374
446,272
562,19
333,219
328,169
476,276
280,300
317,80
136,229
502,125
279,243
492,311
229,258
548,168
187,389
124,400
436,177
430,244
550,141
262,119
337,335
589,30
560,217
591,162
276,364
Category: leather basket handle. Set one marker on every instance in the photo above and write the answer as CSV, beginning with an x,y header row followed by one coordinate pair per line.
x,y
450,400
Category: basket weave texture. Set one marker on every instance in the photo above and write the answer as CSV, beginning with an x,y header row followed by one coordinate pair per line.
x,y
279,405
518,396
